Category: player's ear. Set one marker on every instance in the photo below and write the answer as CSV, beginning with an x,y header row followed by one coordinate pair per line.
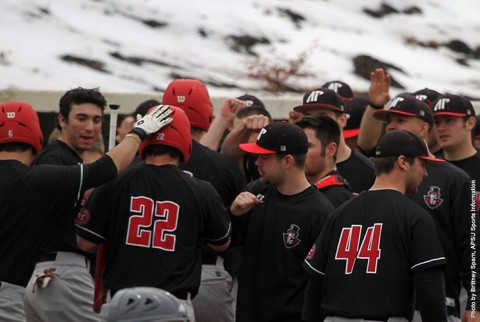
x,y
470,123
331,149
402,162
62,121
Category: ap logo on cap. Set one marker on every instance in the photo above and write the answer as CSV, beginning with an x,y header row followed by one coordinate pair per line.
x,y
313,97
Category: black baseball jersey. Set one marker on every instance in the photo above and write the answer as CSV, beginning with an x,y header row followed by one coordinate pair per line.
x,y
33,199
155,219
335,188
445,194
358,170
218,169
277,235
61,234
367,253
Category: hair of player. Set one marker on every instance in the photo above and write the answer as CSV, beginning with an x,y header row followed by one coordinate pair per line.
x,y
385,165
326,129
16,147
299,159
78,96
158,150
248,111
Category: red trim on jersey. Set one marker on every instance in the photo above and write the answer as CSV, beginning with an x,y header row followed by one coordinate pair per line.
x,y
331,180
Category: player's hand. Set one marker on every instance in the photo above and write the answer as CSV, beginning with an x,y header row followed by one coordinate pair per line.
x,y
294,116
254,123
471,316
243,203
153,121
230,107
379,91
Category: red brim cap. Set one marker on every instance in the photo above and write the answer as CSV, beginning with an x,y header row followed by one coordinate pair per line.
x,y
347,134
382,115
303,108
432,159
254,148
449,114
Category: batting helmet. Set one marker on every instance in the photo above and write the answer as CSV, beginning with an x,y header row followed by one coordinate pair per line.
x,y
19,124
145,304
191,96
176,134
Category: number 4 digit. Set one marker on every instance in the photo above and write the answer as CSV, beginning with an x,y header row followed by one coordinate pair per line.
x,y
348,250
370,248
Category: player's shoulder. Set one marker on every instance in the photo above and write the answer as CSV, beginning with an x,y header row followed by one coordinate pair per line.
x,y
57,152
447,169
360,159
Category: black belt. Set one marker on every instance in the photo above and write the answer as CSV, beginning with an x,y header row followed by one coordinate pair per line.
x,y
47,257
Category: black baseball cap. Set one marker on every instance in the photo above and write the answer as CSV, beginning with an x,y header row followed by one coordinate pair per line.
x,y
402,142
278,137
453,105
405,105
251,101
354,110
340,88
427,95
322,98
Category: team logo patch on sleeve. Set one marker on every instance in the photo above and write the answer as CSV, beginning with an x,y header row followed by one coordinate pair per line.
x,y
290,238
433,198
311,252
83,217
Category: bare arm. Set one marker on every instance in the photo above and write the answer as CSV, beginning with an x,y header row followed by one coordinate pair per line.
x,y
221,123
379,95
220,248
85,245
242,134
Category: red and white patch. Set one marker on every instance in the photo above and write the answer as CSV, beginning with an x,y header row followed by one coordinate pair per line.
x,y
311,253
83,217
290,238
433,198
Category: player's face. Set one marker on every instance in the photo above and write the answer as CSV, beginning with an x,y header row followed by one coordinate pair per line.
x,y
314,111
83,125
409,123
315,160
415,175
451,131
270,169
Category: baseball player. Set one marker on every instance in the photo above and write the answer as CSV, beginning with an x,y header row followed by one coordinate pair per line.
x,y
277,219
34,198
445,194
145,304
323,135
157,214
378,248
352,165
214,300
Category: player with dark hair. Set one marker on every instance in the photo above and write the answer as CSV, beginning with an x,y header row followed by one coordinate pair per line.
x,y
379,247
445,194
145,304
34,198
214,300
323,135
276,219
351,164
157,214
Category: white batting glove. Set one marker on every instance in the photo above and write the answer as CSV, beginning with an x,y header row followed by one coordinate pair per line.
x,y
153,121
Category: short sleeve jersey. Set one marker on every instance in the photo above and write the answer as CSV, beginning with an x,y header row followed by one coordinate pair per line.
x,y
445,195
31,202
218,169
61,233
155,219
278,234
358,170
367,252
